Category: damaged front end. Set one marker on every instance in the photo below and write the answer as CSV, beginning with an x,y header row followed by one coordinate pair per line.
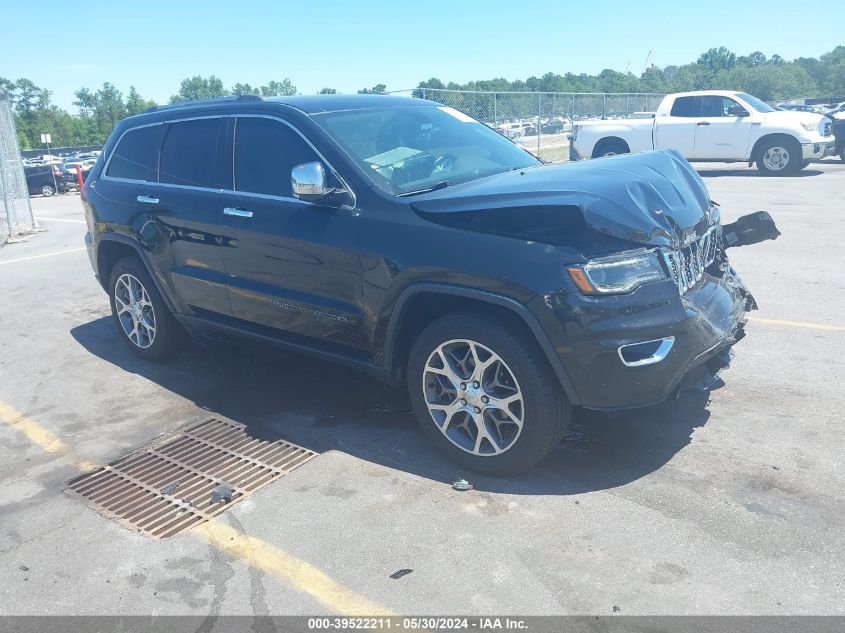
x,y
651,303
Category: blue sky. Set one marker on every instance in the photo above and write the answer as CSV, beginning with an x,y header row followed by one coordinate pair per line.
x,y
351,45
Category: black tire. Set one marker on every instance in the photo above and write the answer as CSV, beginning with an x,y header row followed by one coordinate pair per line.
x,y
169,336
780,146
804,164
546,412
842,154
516,135
610,148
48,190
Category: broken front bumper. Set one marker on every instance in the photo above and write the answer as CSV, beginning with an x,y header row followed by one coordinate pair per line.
x,y
616,350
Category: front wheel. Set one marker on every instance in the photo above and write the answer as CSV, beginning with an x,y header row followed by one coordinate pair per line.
x,y
48,190
485,394
779,157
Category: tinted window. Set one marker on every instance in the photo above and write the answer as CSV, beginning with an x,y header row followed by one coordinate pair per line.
x,y
683,106
189,152
135,154
714,106
265,153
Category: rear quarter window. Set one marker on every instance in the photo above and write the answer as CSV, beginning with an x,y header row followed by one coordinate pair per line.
x,y
135,155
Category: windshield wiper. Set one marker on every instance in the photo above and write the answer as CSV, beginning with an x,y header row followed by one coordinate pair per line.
x,y
439,185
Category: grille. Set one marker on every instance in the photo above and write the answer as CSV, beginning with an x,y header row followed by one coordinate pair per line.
x,y
168,487
686,265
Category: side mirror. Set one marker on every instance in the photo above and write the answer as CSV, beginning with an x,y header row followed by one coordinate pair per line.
x,y
310,182
736,110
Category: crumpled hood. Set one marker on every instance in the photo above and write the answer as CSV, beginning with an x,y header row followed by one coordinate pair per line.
x,y
653,198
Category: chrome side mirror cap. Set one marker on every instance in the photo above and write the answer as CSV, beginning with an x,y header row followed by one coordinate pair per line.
x,y
310,182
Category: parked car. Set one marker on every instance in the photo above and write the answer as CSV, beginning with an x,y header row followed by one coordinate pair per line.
x,y
69,170
45,180
797,107
715,125
408,240
838,123
516,130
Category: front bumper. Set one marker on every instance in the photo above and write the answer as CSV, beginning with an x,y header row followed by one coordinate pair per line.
x,y
588,332
818,150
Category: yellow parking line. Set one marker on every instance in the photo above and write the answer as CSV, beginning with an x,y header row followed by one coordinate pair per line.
x,y
295,572
24,259
253,551
41,437
799,324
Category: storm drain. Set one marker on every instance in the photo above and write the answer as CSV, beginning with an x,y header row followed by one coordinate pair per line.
x,y
188,478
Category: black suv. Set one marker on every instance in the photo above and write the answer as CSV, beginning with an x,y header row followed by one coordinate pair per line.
x,y
45,179
405,238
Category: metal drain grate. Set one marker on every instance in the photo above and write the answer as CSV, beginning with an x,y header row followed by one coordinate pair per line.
x,y
167,488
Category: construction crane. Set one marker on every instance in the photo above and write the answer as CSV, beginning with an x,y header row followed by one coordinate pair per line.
x,y
647,60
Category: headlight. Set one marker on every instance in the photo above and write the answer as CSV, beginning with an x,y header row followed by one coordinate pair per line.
x,y
810,126
617,274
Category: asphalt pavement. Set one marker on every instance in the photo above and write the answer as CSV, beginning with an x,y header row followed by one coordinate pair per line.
x,y
723,503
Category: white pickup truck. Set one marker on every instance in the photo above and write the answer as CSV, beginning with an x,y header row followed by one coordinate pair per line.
x,y
713,125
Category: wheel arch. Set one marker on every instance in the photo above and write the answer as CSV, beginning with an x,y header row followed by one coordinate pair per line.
x,y
609,140
421,303
113,247
761,142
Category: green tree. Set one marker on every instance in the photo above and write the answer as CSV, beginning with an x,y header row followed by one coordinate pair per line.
x,y
135,103
283,88
378,89
717,59
244,89
198,87
328,91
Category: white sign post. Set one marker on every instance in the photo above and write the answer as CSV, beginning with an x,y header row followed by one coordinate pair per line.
x,y
47,139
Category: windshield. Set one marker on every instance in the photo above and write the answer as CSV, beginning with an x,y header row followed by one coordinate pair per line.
x,y
754,102
413,149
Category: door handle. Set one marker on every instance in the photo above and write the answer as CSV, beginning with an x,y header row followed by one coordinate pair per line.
x,y
702,123
238,213
147,199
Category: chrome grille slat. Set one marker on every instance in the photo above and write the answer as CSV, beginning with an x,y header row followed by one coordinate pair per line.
x,y
686,265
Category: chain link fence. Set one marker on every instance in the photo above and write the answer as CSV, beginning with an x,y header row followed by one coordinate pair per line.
x,y
15,211
540,121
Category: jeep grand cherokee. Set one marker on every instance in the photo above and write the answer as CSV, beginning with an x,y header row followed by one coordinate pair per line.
x,y
405,238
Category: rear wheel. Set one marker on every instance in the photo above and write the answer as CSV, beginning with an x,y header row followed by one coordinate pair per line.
x,y
779,157
48,190
142,318
610,148
485,394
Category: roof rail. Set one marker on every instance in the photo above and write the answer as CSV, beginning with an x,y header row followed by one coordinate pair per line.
x,y
209,101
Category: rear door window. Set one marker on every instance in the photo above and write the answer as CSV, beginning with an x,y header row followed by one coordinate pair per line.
x,y
189,153
684,106
265,153
135,155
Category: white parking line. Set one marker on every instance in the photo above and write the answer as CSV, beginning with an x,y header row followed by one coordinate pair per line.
x,y
59,220
24,259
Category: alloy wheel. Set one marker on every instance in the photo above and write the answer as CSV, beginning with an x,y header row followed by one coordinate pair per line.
x,y
47,191
135,310
776,158
473,397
